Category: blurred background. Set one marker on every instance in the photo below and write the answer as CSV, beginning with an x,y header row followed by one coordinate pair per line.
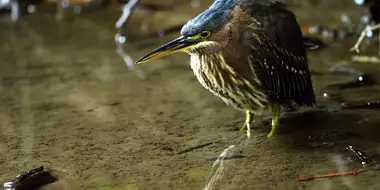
x,y
72,100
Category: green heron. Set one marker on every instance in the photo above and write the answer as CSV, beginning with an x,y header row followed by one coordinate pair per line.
x,y
250,53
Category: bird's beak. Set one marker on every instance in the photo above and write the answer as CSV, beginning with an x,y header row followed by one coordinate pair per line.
x,y
179,44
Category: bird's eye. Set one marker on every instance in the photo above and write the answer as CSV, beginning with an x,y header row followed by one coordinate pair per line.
x,y
205,34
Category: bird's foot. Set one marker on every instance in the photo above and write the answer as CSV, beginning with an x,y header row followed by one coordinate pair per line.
x,y
243,127
247,124
274,129
276,109
271,134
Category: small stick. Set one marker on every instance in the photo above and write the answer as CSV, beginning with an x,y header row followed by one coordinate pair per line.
x,y
362,35
120,39
354,172
127,9
15,10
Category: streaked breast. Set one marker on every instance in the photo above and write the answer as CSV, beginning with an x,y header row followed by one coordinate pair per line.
x,y
218,77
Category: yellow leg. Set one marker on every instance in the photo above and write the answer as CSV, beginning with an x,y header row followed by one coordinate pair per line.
x,y
276,110
247,123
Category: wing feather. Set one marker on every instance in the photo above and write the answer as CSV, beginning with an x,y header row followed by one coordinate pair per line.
x,y
281,62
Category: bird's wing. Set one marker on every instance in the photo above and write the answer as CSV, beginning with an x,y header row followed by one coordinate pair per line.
x,y
281,61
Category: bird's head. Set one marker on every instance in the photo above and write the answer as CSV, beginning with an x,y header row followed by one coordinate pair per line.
x,y
198,33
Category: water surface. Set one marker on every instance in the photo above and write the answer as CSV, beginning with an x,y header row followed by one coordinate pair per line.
x,y
68,102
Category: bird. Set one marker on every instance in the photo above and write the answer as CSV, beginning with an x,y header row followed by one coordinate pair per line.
x,y
250,54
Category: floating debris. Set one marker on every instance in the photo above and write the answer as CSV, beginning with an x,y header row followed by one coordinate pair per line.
x,y
361,104
32,179
360,155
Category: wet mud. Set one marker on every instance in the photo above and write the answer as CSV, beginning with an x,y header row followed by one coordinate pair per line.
x,y
68,102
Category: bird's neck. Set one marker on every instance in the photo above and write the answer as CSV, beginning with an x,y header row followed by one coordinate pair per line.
x,y
218,58
202,62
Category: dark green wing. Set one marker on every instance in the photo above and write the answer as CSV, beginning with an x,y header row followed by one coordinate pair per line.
x,y
279,56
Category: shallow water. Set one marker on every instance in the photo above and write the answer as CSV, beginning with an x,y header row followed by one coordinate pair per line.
x,y
68,102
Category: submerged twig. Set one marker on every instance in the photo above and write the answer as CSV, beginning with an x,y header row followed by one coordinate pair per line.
x,y
362,36
361,104
195,147
359,154
120,39
354,172
236,156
